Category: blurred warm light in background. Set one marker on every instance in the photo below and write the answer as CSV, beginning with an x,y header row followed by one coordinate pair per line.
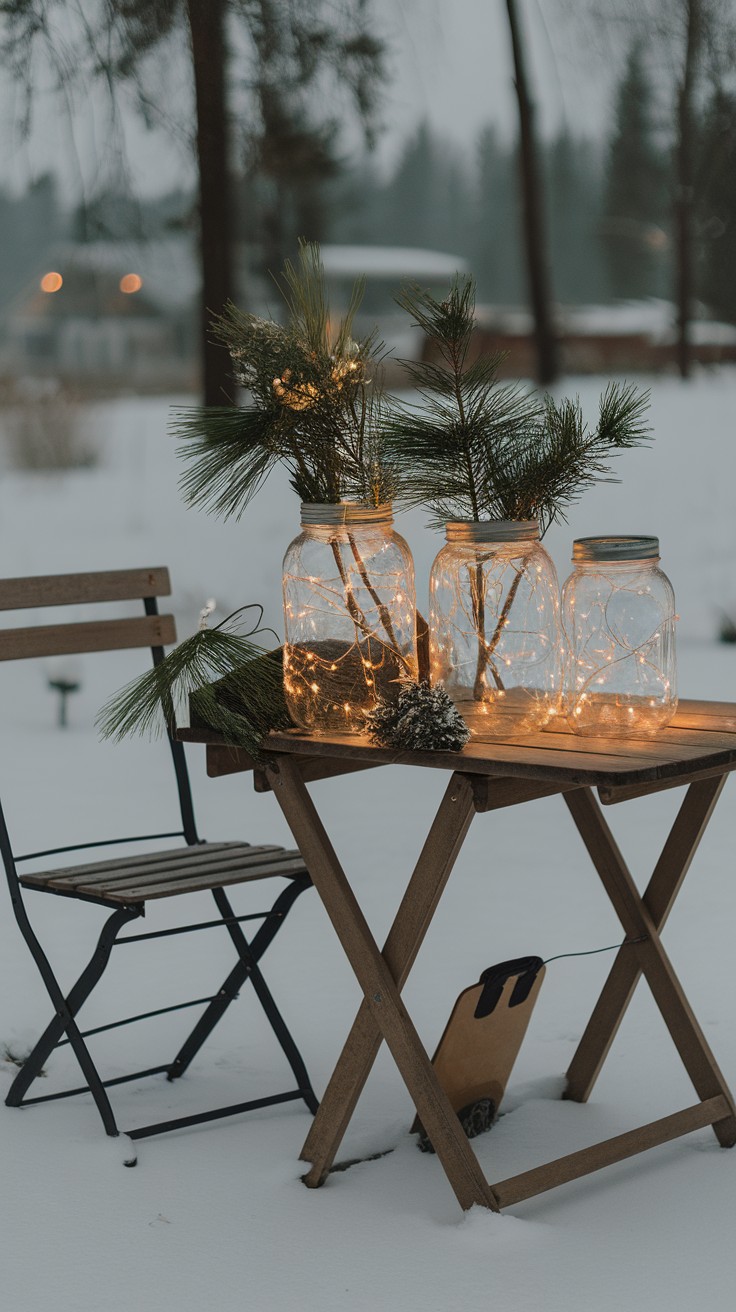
x,y
130,282
51,282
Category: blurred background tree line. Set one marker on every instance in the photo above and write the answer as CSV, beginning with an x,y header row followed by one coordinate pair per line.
x,y
648,210
609,206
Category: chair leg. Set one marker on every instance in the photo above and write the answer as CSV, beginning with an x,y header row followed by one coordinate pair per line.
x,y
247,968
66,1011
237,977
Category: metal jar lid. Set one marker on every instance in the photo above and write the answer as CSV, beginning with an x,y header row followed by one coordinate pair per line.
x,y
344,512
492,530
613,550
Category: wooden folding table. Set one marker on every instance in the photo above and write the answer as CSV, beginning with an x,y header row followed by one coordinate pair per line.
x,y
697,750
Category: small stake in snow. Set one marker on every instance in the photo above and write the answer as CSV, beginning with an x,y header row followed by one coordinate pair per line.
x,y
64,676
63,687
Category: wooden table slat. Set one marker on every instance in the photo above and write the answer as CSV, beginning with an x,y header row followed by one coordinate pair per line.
x,y
555,763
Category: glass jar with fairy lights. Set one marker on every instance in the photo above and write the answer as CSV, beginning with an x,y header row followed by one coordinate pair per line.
x,y
496,465
349,615
495,638
315,408
618,614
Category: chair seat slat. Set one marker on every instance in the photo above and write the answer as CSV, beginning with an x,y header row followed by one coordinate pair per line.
x,y
143,859
157,873
182,879
286,869
185,870
214,872
78,589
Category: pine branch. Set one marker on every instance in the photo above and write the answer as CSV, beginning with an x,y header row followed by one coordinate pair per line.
x,y
474,448
245,704
621,422
304,292
448,323
149,705
568,458
313,405
230,453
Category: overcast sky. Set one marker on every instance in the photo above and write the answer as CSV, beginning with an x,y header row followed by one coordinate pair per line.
x,y
449,60
453,64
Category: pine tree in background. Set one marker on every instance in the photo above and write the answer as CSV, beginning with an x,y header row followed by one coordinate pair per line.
x,y
496,252
456,177
717,206
574,197
355,201
427,201
635,199
573,184
413,193
435,198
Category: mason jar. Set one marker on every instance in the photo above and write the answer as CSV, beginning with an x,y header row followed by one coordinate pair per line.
x,y
349,615
495,638
618,614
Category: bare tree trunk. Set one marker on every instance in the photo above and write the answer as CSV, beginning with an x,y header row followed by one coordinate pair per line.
x,y
209,57
534,231
684,186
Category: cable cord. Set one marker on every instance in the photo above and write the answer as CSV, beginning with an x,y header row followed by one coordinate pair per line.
x,y
591,952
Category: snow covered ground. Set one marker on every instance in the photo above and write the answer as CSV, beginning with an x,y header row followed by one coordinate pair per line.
x,y
216,1217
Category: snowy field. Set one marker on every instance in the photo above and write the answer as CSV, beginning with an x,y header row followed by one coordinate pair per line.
x,y
216,1217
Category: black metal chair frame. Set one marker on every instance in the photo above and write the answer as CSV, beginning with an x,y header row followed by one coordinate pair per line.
x,y
63,1028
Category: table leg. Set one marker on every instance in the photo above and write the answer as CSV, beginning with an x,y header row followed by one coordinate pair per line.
x,y
669,873
638,921
380,989
405,937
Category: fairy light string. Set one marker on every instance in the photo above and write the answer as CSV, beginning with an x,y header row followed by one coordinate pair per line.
x,y
617,675
591,952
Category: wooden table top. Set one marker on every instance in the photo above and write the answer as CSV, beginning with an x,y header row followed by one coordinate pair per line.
x,y
700,742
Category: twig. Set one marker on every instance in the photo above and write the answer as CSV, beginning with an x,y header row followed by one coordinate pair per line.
x,y
485,649
382,609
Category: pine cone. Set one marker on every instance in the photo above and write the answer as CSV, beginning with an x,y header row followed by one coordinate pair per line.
x,y
419,719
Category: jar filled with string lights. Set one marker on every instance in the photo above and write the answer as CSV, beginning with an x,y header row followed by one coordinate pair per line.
x,y
495,626
315,408
349,615
495,464
618,611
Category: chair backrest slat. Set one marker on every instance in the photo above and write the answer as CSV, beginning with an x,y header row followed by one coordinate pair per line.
x,y
75,636
76,589
97,635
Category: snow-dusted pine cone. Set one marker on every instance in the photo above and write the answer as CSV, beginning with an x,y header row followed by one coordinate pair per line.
x,y
419,719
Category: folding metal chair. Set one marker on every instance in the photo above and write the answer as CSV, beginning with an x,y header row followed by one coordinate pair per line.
x,y
124,884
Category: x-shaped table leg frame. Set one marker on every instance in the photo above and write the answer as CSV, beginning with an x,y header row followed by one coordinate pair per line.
x,y
383,1016
644,917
